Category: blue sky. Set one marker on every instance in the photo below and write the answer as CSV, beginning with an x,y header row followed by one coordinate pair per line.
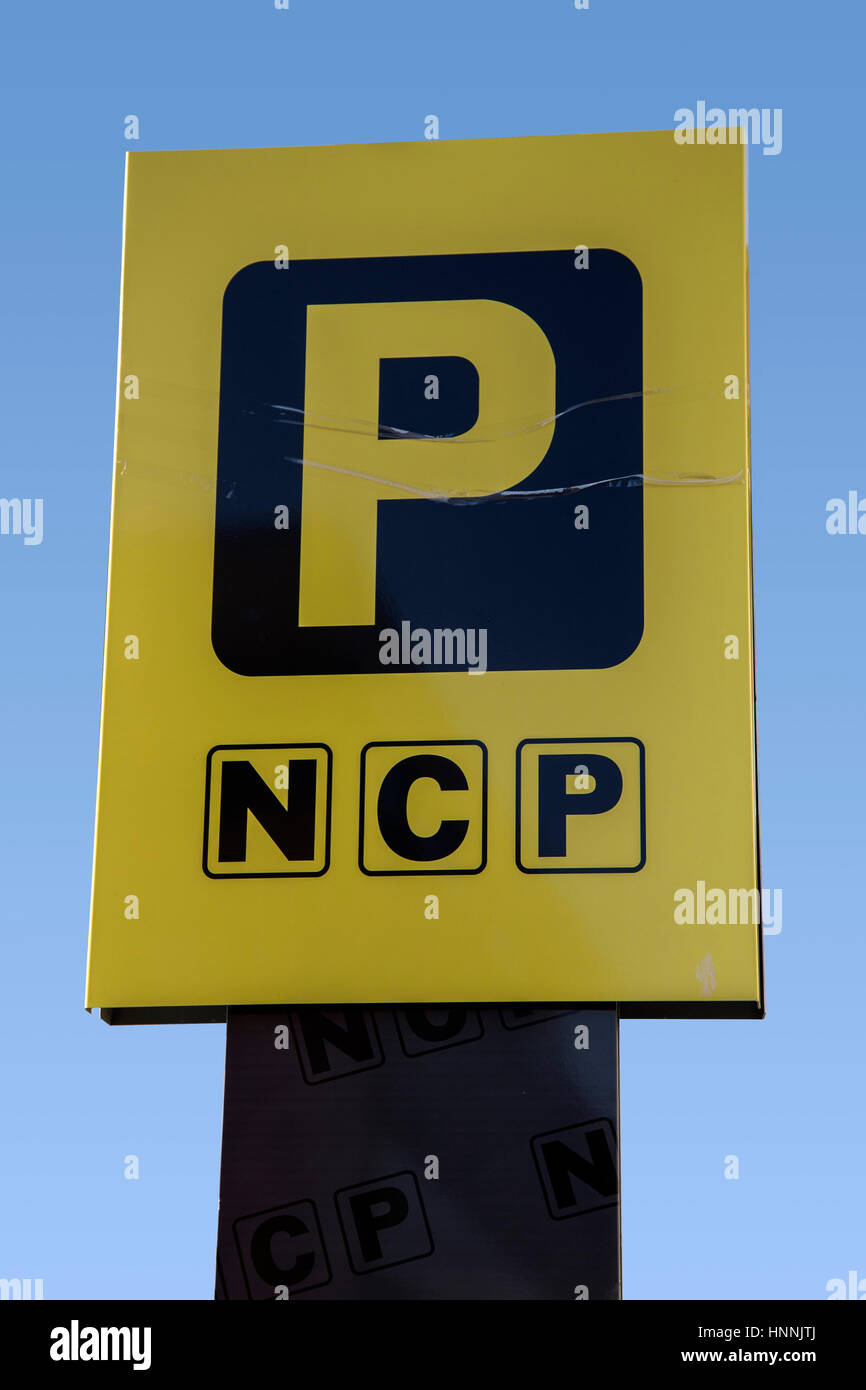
x,y
784,1094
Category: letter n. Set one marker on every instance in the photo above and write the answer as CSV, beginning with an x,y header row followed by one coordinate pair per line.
x,y
577,1167
335,1042
291,827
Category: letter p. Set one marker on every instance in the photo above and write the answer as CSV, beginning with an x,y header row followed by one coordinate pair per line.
x,y
557,799
348,470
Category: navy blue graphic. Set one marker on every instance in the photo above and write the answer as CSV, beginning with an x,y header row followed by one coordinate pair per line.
x,y
426,395
551,596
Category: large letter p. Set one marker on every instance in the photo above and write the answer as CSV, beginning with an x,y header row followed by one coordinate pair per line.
x,y
348,470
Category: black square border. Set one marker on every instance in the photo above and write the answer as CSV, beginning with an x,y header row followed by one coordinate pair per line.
x,y
642,763
355,1186
367,1009
566,1129
437,1047
256,747
269,1211
423,743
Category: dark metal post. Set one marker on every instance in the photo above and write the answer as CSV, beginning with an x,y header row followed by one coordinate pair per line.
x,y
446,1152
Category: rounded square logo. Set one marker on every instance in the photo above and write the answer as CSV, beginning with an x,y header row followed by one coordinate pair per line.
x,y
384,1222
282,1248
577,1167
580,806
425,1028
364,402
333,1043
423,808
267,810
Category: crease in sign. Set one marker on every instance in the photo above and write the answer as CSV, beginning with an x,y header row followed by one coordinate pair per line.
x,y
682,480
368,427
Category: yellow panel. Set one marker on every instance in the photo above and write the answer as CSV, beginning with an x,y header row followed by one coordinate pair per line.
x,y
319,783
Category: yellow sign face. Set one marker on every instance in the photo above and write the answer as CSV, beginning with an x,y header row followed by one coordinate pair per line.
x,y
428,670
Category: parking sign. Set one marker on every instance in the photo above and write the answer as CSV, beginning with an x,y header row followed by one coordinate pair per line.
x,y
428,669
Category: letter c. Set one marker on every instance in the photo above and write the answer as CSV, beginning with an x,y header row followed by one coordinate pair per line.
x,y
391,809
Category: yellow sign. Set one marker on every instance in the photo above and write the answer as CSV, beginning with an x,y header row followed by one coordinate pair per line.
x,y
428,670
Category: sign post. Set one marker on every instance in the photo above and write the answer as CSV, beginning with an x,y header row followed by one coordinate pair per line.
x,y
451,1152
429,674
